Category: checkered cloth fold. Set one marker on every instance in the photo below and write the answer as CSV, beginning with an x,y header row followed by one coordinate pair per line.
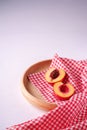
x,y
70,114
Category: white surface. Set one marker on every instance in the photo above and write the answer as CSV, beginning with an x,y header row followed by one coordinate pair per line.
x,y
29,32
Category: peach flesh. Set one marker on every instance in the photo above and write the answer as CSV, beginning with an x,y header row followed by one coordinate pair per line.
x,y
54,75
63,91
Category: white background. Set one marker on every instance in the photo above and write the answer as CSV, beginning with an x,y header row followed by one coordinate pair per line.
x,y
31,31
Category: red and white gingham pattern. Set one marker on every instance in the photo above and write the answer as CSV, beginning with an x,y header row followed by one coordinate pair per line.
x,y
70,114
74,70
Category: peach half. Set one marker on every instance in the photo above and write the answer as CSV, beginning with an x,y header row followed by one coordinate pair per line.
x,y
54,75
63,91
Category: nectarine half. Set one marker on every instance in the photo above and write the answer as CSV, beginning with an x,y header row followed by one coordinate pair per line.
x,y
54,75
63,91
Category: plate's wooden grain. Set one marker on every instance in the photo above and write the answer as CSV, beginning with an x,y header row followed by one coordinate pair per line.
x,y
30,91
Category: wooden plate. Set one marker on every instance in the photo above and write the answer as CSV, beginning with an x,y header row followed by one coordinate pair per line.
x,y
30,91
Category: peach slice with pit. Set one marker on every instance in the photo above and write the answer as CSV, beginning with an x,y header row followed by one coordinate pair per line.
x,y
63,91
54,75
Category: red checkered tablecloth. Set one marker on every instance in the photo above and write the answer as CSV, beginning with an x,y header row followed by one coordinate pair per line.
x,y
70,114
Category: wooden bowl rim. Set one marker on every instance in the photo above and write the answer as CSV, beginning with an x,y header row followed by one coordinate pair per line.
x,y
43,104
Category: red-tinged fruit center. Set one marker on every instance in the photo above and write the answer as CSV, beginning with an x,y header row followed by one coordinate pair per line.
x,y
64,88
54,74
